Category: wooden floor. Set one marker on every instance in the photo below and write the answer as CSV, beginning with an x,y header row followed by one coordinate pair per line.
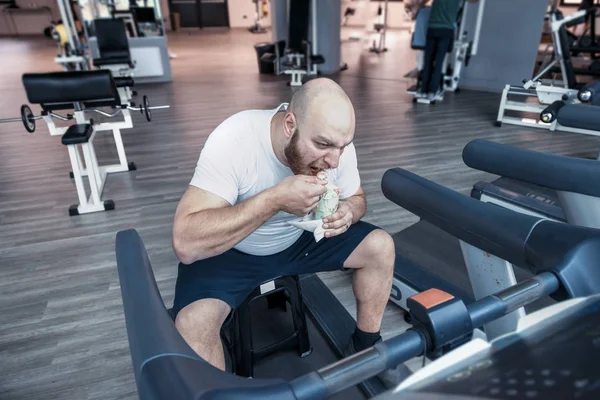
x,y
62,333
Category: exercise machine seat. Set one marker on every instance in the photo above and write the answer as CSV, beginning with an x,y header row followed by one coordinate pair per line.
x,y
568,174
113,44
124,81
60,90
317,59
77,134
580,116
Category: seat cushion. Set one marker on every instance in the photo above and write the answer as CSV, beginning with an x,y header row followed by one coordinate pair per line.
x,y
317,59
98,62
124,81
268,57
77,134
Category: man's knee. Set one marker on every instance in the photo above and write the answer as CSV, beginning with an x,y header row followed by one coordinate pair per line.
x,y
380,245
376,249
202,319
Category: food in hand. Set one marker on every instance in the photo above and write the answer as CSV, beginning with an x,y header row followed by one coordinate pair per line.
x,y
329,202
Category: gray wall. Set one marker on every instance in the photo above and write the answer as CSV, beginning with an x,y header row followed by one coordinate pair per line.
x,y
279,24
508,43
329,20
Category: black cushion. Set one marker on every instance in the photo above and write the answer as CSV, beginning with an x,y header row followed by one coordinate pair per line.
x,y
317,59
77,134
268,57
124,81
56,90
111,35
98,62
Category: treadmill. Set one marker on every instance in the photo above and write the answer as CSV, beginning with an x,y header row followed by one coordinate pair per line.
x,y
428,257
553,355
536,183
562,257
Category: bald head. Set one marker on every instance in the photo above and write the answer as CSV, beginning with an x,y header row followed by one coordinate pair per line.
x,y
322,105
316,128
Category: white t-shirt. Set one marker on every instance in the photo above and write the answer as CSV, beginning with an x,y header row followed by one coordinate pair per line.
x,y
238,162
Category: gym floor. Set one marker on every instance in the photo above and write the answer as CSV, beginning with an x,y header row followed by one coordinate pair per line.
x,y
62,331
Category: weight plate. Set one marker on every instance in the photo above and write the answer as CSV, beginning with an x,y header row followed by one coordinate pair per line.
x,y
27,118
147,109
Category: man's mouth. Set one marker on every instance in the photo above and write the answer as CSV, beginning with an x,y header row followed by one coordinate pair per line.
x,y
314,171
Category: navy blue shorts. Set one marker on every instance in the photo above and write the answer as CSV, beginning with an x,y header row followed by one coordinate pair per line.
x,y
231,276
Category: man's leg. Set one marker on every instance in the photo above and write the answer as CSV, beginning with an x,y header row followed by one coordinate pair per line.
x,y
429,59
373,265
442,38
199,323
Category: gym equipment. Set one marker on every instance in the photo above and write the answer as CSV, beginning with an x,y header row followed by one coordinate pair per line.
x,y
528,184
72,55
563,258
589,93
459,54
297,56
555,187
28,119
83,92
515,98
113,46
552,355
381,29
261,12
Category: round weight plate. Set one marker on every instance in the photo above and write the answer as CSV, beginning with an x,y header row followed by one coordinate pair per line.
x,y
27,118
147,109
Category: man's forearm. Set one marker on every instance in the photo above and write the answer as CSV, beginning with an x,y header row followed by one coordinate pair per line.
x,y
213,231
358,206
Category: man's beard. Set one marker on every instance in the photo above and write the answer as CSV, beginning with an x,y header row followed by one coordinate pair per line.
x,y
294,156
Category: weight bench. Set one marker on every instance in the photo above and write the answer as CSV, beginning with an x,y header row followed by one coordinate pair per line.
x,y
81,92
113,46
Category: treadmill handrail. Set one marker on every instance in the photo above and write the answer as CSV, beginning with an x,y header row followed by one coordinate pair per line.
x,y
569,174
156,345
529,242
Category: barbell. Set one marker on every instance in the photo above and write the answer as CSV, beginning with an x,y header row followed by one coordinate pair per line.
x,y
28,118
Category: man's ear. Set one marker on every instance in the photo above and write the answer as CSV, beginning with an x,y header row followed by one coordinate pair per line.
x,y
290,124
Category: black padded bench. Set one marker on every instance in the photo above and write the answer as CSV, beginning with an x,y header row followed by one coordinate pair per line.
x,y
81,92
77,134
113,44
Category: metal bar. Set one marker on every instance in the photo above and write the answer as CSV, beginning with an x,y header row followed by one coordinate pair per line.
x,y
353,370
105,113
60,117
494,306
478,27
11,120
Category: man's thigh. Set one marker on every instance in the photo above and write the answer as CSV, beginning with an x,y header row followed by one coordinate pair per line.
x,y
228,277
329,254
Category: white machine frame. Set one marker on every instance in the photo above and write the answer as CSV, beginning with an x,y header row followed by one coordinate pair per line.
x,y
88,164
545,91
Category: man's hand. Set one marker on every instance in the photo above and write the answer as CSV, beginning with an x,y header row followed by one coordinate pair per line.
x,y
339,222
299,194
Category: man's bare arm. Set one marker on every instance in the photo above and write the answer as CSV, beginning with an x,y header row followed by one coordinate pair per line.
x,y
206,225
357,204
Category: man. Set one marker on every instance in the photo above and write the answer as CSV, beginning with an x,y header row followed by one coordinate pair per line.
x,y
440,32
256,172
